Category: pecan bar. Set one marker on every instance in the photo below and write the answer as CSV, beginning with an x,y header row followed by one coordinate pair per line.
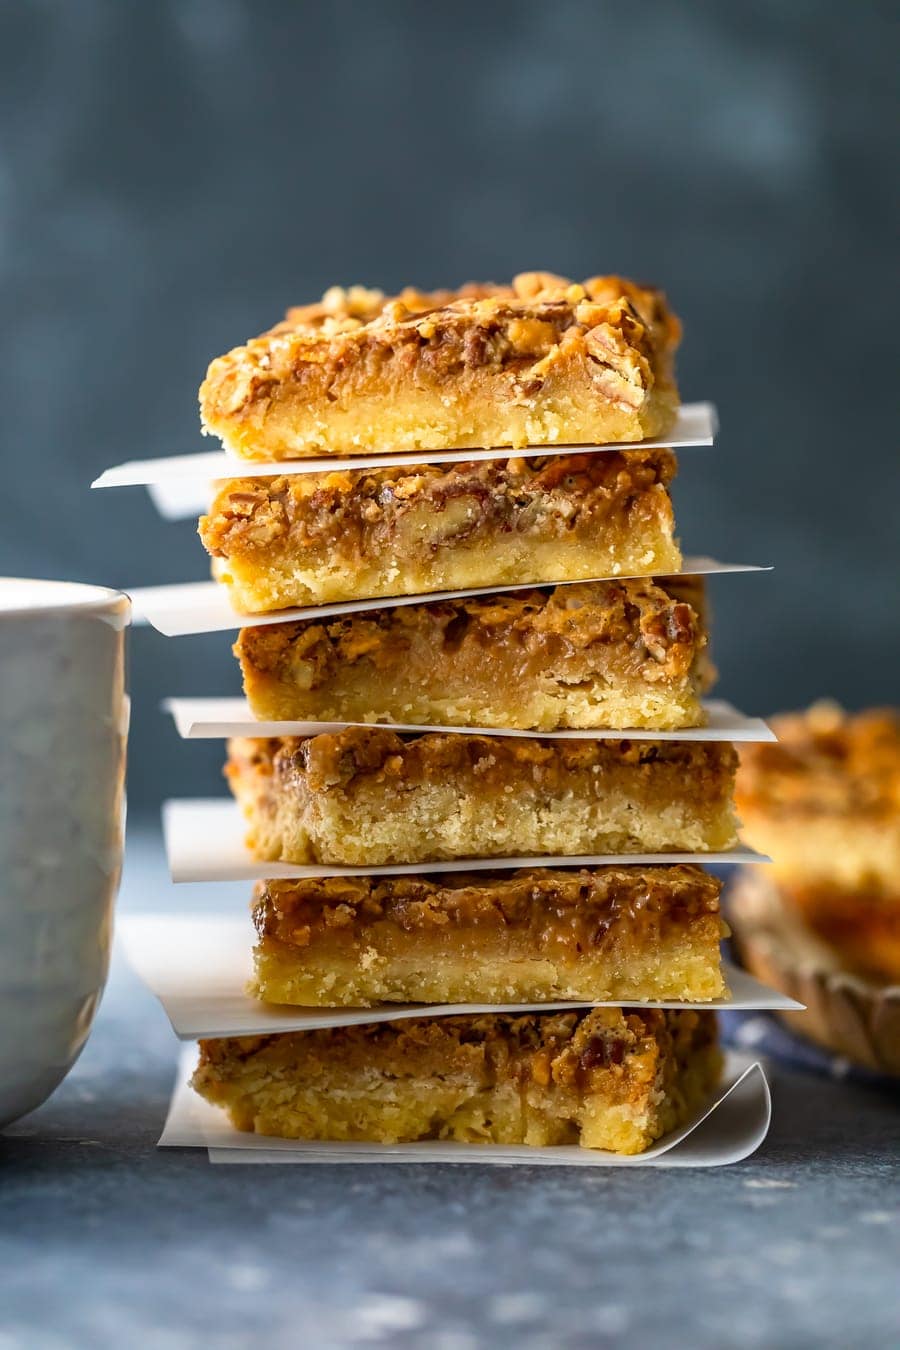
x,y
544,361
306,539
825,802
624,934
368,797
609,1078
613,654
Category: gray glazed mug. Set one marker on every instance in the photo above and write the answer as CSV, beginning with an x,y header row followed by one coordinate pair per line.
x,y
63,729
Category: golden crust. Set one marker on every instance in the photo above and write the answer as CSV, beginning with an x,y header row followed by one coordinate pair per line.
x,y
601,654
543,360
606,1078
323,537
368,796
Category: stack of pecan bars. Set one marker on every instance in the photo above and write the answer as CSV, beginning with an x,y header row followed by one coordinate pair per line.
x,y
540,363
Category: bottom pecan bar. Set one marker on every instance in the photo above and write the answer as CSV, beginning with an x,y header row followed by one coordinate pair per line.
x,y
611,1078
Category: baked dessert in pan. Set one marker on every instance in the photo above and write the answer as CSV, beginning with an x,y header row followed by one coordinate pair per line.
x,y
846,1012
542,361
611,654
825,803
367,796
606,1078
623,934
310,539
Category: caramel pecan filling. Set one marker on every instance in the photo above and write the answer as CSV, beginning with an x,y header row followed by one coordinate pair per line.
x,y
585,908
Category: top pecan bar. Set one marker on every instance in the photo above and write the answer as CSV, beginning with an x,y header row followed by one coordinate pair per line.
x,y
544,361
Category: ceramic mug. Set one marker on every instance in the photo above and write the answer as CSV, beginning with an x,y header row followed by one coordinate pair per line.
x,y
63,728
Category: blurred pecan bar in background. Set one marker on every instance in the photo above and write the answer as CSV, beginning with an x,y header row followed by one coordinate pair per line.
x,y
608,1078
541,362
825,802
614,654
623,934
368,797
308,539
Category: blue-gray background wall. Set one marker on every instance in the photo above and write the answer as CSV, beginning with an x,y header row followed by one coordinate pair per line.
x,y
172,175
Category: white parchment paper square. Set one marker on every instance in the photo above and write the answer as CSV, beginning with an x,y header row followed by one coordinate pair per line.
x,y
696,425
198,967
182,608
729,1127
219,718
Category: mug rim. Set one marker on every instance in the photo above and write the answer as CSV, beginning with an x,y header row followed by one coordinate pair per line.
x,y
62,597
